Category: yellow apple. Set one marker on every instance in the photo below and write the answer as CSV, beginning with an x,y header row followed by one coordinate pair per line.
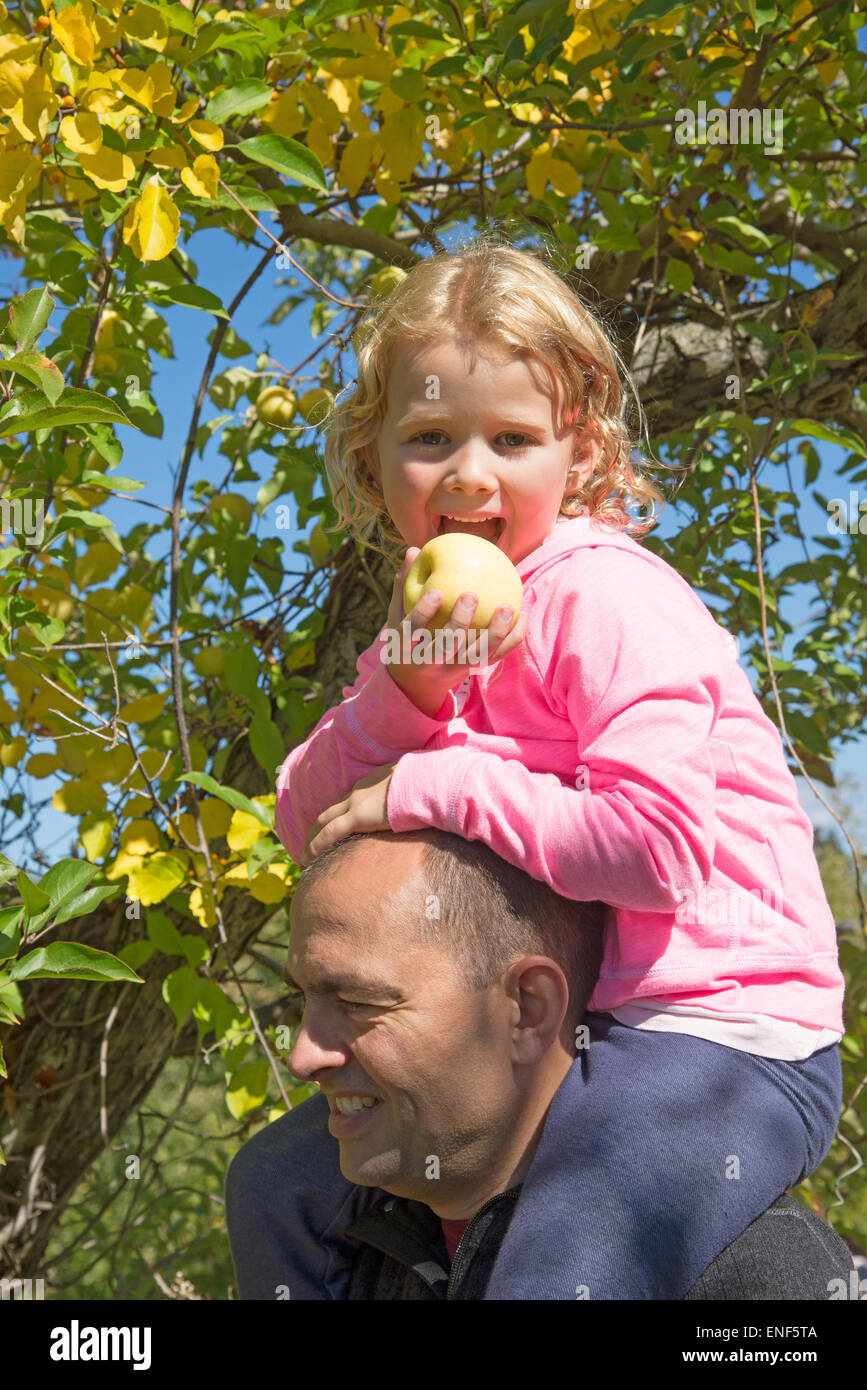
x,y
315,404
276,406
456,563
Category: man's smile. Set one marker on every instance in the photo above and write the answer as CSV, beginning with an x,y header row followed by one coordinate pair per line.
x,y
351,1114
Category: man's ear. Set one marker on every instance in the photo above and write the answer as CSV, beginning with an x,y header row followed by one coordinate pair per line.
x,y
540,992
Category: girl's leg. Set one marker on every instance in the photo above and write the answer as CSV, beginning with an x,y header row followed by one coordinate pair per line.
x,y
286,1199
658,1151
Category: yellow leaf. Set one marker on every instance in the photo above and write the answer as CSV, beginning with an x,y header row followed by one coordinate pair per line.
x,y
145,708
216,816
152,759
42,765
27,94
168,157
150,87
355,162
82,133
73,33
203,178
12,753
110,764
155,878
95,834
151,226
284,116
564,179
77,797
97,563
321,108
244,831
108,169
140,837
202,905
685,237
183,114
207,134
147,26
267,886
122,864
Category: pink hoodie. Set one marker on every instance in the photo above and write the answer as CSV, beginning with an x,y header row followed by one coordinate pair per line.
x,y
618,753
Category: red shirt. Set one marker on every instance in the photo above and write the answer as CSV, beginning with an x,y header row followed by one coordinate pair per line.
x,y
453,1230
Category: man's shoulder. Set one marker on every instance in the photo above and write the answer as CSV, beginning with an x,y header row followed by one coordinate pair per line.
x,y
786,1253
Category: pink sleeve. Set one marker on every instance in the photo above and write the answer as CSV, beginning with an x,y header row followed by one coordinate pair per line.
x,y
627,655
374,725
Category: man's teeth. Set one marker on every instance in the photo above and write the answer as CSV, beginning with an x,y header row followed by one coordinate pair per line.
x,y
348,1105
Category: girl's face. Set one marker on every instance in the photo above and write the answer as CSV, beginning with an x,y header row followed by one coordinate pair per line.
x,y
472,432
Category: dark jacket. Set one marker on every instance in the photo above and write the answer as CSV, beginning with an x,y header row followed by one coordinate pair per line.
x,y
788,1253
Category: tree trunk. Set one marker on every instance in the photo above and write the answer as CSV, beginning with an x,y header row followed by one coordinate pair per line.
x,y
52,1136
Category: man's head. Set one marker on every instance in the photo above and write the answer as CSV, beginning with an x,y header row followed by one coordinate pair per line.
x,y
443,985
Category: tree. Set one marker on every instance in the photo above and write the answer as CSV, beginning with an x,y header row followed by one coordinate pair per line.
x,y
340,143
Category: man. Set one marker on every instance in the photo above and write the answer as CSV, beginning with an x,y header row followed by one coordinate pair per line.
x,y
443,996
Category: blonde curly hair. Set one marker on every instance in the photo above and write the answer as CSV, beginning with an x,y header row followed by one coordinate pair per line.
x,y
489,292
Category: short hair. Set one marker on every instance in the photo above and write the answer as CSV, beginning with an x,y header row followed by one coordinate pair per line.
x,y
491,912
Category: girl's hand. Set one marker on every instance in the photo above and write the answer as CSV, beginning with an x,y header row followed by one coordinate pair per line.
x,y
428,682
363,810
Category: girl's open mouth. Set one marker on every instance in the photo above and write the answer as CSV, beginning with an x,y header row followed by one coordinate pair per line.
x,y
489,530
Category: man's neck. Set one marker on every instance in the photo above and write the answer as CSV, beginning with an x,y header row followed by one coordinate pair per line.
x,y
514,1156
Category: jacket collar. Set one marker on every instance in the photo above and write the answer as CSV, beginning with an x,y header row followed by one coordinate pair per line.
x,y
412,1234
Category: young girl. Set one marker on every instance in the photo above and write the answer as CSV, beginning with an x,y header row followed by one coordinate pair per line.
x,y
611,747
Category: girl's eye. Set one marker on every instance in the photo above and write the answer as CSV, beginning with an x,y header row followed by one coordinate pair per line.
x,y
509,434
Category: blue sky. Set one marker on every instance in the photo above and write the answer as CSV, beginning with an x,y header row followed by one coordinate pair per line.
x,y
223,265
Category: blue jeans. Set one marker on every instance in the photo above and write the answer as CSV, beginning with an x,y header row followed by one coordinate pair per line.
x,y
659,1149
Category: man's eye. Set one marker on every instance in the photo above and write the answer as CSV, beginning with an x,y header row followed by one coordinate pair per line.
x,y
354,1004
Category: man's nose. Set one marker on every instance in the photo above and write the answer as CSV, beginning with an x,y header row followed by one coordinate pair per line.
x,y
316,1049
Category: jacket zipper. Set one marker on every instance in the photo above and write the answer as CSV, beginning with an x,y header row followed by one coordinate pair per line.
x,y
501,1196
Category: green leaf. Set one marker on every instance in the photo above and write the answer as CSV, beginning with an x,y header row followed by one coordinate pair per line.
x,y
34,899
66,879
39,370
239,100
248,1088
229,795
69,960
181,990
114,484
252,198
7,868
266,744
164,934
653,9
679,274
28,411
86,902
10,934
29,315
830,433
192,297
287,157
